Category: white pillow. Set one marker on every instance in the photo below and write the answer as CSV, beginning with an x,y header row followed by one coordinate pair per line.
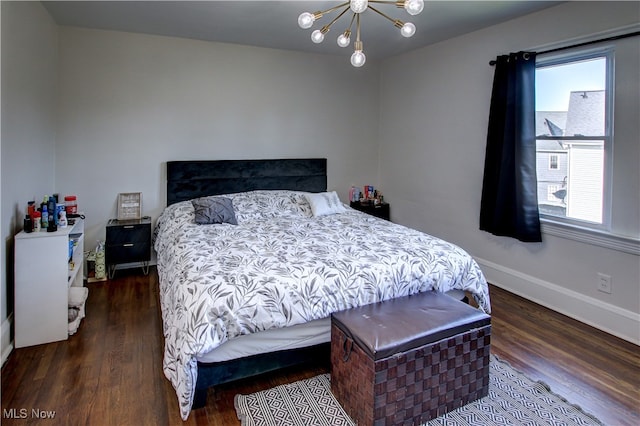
x,y
325,203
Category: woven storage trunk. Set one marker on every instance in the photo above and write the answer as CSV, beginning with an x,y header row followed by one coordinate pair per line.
x,y
409,360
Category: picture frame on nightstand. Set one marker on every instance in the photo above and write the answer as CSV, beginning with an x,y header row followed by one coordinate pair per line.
x,y
129,205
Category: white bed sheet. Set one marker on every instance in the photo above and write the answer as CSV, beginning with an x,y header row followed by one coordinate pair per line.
x,y
298,336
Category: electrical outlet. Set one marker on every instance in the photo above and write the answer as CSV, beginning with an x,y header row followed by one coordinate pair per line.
x,y
604,283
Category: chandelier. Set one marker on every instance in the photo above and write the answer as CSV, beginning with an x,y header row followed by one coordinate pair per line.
x,y
358,58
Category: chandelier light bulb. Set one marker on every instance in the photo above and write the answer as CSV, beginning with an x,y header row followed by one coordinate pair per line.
x,y
358,58
408,29
343,40
305,20
414,7
317,36
358,6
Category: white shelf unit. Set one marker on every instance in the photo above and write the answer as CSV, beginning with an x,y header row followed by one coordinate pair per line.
x,y
43,275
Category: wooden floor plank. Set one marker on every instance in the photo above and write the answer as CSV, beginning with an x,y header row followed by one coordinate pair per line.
x,y
110,371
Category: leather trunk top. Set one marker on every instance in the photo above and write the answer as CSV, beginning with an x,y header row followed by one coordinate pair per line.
x,y
399,325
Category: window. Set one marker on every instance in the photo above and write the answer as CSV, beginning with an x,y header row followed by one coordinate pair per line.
x,y
573,137
551,193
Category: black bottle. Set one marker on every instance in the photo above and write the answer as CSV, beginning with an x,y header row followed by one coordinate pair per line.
x,y
52,215
28,224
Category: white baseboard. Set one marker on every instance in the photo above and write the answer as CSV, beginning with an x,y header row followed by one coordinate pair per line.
x,y
6,343
609,318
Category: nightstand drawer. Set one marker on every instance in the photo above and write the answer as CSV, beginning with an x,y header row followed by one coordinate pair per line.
x,y
134,233
128,252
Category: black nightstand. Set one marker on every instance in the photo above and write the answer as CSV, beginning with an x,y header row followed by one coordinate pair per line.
x,y
377,210
128,241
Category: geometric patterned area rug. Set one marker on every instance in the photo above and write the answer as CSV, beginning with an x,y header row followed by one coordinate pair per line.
x,y
513,399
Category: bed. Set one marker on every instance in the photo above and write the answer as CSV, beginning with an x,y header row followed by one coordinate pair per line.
x,y
255,293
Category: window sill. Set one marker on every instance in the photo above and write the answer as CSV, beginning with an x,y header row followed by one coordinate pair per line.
x,y
588,236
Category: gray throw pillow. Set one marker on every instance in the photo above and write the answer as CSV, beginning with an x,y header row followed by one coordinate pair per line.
x,y
210,210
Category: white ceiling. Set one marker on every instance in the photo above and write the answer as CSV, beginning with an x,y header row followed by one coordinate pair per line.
x,y
274,23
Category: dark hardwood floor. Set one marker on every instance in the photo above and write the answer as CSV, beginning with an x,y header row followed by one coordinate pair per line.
x,y
110,371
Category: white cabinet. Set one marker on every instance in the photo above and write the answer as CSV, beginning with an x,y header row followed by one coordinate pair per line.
x,y
44,273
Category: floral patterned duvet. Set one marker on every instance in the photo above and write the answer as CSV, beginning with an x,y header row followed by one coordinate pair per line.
x,y
280,266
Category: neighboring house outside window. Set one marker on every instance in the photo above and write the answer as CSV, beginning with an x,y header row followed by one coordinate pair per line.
x,y
572,144
551,180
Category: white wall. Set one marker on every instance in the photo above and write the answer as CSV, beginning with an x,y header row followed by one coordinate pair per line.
x,y
433,138
29,60
129,102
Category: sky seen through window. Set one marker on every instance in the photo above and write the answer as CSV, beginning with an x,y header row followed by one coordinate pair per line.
x,y
554,83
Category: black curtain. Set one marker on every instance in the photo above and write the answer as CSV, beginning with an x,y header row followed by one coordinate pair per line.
x,y
509,205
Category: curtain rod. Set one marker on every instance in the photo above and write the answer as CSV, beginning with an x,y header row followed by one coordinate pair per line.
x,y
586,43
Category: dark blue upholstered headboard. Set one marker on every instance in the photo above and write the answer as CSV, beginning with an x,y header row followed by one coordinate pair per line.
x,y
192,179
